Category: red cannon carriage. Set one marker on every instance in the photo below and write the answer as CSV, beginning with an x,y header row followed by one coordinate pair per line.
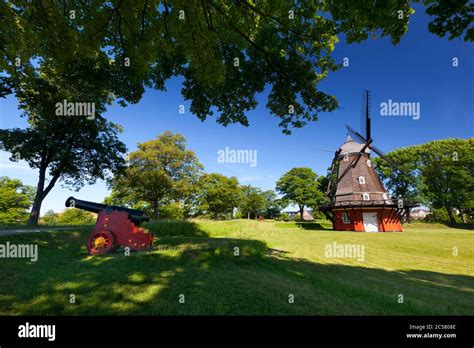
x,y
115,227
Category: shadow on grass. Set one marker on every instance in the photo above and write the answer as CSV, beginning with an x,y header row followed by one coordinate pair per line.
x,y
313,226
212,276
467,226
305,225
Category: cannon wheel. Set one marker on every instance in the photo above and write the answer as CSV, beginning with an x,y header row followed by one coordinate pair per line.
x,y
100,242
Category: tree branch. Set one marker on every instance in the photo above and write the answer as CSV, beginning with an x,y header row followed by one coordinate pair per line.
x,y
256,10
257,47
143,17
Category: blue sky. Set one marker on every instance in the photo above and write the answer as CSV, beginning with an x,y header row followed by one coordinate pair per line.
x,y
419,69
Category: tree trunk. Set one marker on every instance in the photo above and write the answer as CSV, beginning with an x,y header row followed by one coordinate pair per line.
x,y
154,208
450,214
407,214
248,215
41,191
461,216
39,196
301,211
36,209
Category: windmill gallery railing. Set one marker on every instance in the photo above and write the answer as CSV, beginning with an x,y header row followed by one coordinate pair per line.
x,y
400,209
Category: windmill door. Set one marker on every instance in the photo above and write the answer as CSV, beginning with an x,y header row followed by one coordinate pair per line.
x,y
370,222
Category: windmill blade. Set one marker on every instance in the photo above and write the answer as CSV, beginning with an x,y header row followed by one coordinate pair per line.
x,y
367,116
393,164
349,167
377,150
382,155
354,161
325,150
355,134
333,167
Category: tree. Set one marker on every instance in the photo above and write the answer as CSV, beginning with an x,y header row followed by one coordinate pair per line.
x,y
405,184
451,18
447,171
73,216
440,174
50,218
256,202
227,52
161,171
300,186
253,202
15,200
272,205
217,194
323,182
172,211
72,147
70,216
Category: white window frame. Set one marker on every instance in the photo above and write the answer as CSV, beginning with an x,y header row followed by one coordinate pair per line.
x,y
345,157
345,219
385,196
361,180
369,164
366,196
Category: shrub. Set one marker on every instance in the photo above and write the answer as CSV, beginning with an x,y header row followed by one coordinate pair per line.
x,y
171,211
73,216
50,218
438,215
15,201
318,215
298,218
283,217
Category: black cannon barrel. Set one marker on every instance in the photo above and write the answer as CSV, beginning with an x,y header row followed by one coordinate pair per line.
x,y
137,216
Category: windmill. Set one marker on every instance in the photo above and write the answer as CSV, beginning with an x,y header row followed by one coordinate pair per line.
x,y
356,197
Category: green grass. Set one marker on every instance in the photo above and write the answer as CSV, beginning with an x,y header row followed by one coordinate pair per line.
x,y
276,259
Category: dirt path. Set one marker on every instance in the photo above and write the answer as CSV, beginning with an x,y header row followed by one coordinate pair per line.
x,y
17,231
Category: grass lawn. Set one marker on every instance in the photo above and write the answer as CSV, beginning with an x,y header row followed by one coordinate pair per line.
x,y
276,259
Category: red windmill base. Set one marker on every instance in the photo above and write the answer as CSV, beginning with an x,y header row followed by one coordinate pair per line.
x,y
367,219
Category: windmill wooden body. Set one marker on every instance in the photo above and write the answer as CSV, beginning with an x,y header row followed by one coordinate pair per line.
x,y
359,200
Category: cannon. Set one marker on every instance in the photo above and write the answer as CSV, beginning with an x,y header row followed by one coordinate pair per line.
x,y
115,226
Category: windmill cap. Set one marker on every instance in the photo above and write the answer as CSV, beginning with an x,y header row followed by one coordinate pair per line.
x,y
352,146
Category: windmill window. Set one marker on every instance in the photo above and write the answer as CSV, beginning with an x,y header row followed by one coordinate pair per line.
x,y
369,164
385,196
346,157
345,218
366,197
361,180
